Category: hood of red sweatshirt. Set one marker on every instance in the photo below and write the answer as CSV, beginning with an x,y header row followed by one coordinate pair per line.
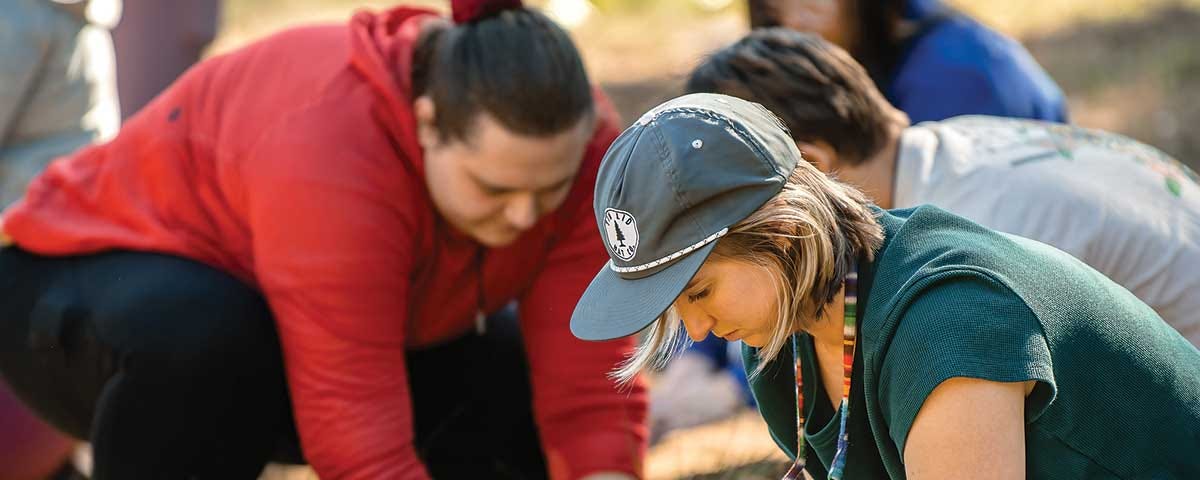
x,y
381,50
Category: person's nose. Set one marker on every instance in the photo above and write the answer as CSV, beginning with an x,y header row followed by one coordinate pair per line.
x,y
522,211
697,323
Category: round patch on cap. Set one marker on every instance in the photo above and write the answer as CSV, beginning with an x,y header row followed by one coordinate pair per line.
x,y
621,229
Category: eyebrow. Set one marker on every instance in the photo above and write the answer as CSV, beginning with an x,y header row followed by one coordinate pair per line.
x,y
561,183
490,186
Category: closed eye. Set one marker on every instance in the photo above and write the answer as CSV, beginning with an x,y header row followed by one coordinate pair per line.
x,y
496,190
694,297
493,190
558,187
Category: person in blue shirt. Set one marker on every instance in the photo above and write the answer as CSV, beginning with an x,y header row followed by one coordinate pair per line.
x,y
930,61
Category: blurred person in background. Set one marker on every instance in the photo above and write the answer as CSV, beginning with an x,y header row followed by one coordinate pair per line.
x,y
57,93
1124,208
330,215
156,41
58,89
930,61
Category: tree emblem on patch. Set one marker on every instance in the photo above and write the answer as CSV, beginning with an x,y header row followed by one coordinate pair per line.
x,y
620,228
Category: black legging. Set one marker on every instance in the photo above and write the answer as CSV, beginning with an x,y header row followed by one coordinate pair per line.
x,y
172,369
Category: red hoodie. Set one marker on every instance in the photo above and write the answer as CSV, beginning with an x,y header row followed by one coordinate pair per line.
x,y
293,164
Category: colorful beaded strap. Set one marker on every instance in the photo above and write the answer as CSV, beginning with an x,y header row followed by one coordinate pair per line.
x,y
849,340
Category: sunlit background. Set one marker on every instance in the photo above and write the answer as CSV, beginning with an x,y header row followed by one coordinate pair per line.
x,y
1130,66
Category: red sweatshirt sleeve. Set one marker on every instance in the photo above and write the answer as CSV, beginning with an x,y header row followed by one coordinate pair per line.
x,y
333,254
587,423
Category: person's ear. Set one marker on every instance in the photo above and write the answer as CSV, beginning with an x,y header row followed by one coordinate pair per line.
x,y
426,114
819,153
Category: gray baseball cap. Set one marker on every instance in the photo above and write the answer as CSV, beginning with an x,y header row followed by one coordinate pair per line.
x,y
669,187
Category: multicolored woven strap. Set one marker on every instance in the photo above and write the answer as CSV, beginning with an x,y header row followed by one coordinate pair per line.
x,y
849,340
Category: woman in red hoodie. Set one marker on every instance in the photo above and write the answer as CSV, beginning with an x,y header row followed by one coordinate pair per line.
x,y
364,197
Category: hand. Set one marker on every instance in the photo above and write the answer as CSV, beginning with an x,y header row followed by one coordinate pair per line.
x,y
609,476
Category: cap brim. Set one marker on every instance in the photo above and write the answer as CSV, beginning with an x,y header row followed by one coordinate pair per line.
x,y
615,307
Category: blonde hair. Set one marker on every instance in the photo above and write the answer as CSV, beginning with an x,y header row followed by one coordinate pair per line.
x,y
805,238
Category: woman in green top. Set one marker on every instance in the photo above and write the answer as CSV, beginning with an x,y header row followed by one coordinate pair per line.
x,y
921,345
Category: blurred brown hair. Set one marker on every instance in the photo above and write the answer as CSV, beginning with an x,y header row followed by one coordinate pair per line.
x,y
818,90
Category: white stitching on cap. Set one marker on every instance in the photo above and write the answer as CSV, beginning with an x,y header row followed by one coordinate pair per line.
x,y
668,258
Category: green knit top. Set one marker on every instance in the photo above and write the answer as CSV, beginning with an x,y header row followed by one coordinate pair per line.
x,y
1117,392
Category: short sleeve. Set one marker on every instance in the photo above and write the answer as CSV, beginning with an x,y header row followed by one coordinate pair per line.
x,y
963,325
963,68
951,91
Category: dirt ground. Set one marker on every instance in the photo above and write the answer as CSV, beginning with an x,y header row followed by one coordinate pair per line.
x,y
1129,66
735,449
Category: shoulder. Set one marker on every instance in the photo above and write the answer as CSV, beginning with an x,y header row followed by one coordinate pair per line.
x,y
926,237
1050,182
961,323
944,275
981,70
336,164
335,131
927,244
946,278
961,42
959,300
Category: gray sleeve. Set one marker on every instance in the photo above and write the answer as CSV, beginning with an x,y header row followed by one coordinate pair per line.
x,y
23,54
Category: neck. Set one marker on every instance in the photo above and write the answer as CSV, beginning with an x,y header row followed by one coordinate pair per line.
x,y
827,335
827,332
875,176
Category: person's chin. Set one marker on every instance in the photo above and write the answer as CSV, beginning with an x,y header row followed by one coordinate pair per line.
x,y
497,239
756,340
